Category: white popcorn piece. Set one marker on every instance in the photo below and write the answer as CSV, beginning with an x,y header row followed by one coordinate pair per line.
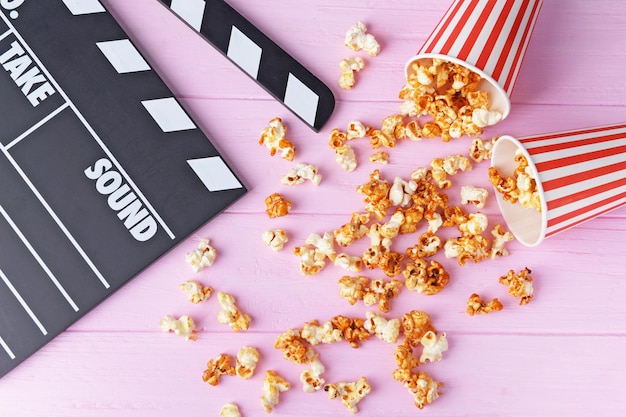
x,y
247,359
475,225
301,172
356,130
275,239
349,66
351,393
311,260
420,174
480,149
314,252
183,326
230,410
346,158
435,221
474,195
349,263
424,76
357,39
500,238
196,292
453,163
391,229
484,117
450,165
312,378
401,191
433,346
323,244
315,334
230,314
380,244
453,248
202,257
386,330
352,64
273,385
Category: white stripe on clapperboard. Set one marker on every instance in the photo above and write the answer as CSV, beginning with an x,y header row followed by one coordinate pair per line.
x,y
7,349
40,261
5,34
22,302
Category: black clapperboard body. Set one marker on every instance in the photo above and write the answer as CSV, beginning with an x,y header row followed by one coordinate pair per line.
x,y
101,169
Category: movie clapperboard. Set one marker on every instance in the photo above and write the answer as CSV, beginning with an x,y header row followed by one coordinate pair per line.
x,y
101,169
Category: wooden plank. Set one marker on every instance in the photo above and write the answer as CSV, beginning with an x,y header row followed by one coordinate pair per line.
x,y
142,374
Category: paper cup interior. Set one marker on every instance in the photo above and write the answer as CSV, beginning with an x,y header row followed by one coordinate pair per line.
x,y
528,225
498,98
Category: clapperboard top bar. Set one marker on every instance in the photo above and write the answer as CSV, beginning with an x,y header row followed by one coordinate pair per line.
x,y
102,169
257,55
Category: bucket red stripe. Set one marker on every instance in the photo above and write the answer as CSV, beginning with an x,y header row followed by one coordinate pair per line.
x,y
475,33
569,133
454,36
506,50
575,143
452,11
576,159
563,218
493,37
593,216
582,176
581,195
517,62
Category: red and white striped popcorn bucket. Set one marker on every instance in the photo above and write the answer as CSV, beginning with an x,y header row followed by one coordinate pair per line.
x,y
489,37
580,174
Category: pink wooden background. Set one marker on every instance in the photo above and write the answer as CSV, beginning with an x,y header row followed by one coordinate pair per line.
x,y
561,355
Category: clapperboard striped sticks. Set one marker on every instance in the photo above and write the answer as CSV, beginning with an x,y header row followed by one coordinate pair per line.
x,y
259,57
102,169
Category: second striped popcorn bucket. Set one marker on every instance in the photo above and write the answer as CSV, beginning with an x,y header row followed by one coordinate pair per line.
x,y
489,37
580,174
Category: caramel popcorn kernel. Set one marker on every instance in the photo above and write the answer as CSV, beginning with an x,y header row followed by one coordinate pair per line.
x,y
475,305
273,137
520,285
426,279
277,206
216,368
415,324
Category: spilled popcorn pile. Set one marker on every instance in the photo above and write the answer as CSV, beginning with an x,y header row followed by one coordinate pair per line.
x,y
419,333
440,99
